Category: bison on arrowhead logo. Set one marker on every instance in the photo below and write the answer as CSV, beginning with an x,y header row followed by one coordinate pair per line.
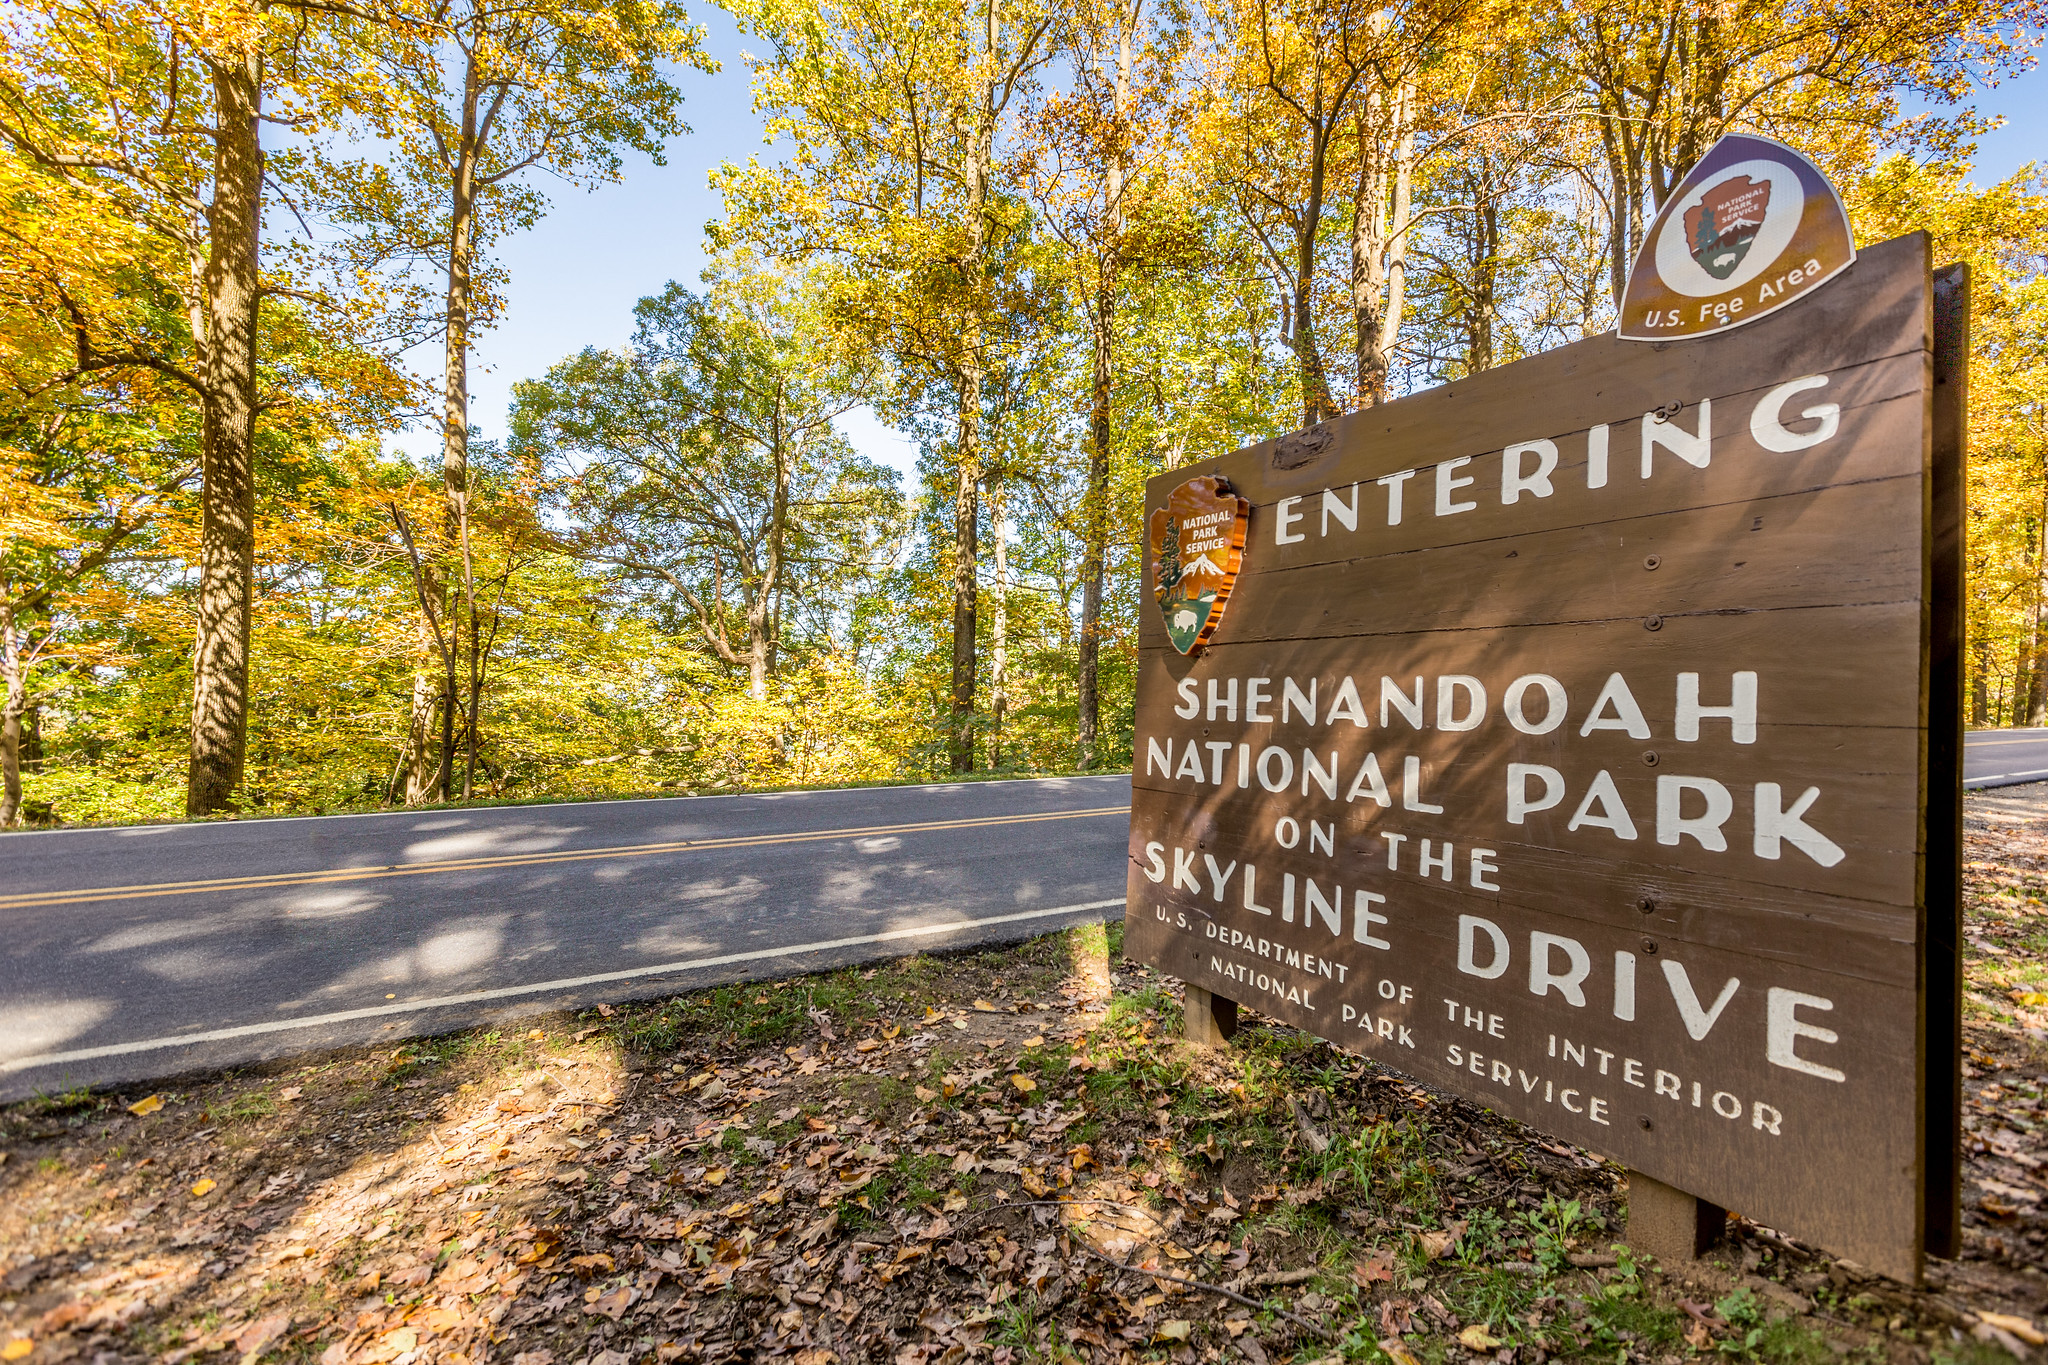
x,y
1197,549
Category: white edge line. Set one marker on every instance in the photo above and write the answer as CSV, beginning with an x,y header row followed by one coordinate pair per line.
x,y
503,992
2003,777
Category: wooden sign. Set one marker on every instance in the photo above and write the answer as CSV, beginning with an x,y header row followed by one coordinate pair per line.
x,y
1753,228
1579,741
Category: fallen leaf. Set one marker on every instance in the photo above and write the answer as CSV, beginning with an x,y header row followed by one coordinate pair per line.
x,y
291,1092
204,1188
402,1339
716,1177
1477,1338
1035,1042
1174,1329
866,1045
1024,1083
594,1262
2023,1328
1437,1245
615,1304
1374,1268
258,1335
16,1349
925,1095
149,1104
986,1008
1398,1352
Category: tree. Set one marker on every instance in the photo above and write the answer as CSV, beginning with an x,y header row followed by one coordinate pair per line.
x,y
1095,162
1667,79
152,109
474,97
703,459
895,111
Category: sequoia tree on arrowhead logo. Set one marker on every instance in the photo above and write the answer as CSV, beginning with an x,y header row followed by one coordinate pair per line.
x,y
1197,548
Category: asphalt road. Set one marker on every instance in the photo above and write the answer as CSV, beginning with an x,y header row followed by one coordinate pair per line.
x,y
142,952
2004,758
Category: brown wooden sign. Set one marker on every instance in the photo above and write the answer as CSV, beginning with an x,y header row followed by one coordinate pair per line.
x,y
1573,743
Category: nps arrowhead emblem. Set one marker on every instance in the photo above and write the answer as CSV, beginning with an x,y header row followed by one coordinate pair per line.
x,y
1753,227
1197,545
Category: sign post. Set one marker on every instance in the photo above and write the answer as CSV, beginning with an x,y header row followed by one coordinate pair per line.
x,y
1584,738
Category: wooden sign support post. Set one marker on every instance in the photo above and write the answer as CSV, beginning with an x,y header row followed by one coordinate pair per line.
x,y
1211,1020
1669,1224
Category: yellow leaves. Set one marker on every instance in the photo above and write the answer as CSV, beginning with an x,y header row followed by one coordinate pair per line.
x,y
402,1339
16,1349
1477,1338
1024,1084
146,1106
925,1094
986,1007
204,1188
1174,1329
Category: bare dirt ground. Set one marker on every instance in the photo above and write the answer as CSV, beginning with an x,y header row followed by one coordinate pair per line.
x,y
993,1158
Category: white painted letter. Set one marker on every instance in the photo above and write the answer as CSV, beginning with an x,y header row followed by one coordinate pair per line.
x,y
1767,424
1672,823
1784,1029
1468,927
1514,483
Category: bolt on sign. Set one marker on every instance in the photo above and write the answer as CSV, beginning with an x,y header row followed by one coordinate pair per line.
x,y
1584,737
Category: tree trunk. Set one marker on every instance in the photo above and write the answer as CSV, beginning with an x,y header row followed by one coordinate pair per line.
x,y
966,559
1095,534
227,363
414,786
1095,499
455,425
999,669
1980,683
761,612
1379,236
979,167
14,670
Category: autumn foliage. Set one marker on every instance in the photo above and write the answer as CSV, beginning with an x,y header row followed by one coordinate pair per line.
x,y
1064,244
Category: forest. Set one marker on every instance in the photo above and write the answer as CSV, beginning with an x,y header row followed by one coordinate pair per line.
x,y
1064,245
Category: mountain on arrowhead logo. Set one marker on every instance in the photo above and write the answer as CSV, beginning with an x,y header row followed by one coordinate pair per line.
x,y
1197,549
1722,225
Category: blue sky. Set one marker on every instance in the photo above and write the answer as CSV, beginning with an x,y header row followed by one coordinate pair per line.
x,y
576,276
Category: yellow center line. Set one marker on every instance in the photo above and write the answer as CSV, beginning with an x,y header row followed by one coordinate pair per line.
x,y
265,881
